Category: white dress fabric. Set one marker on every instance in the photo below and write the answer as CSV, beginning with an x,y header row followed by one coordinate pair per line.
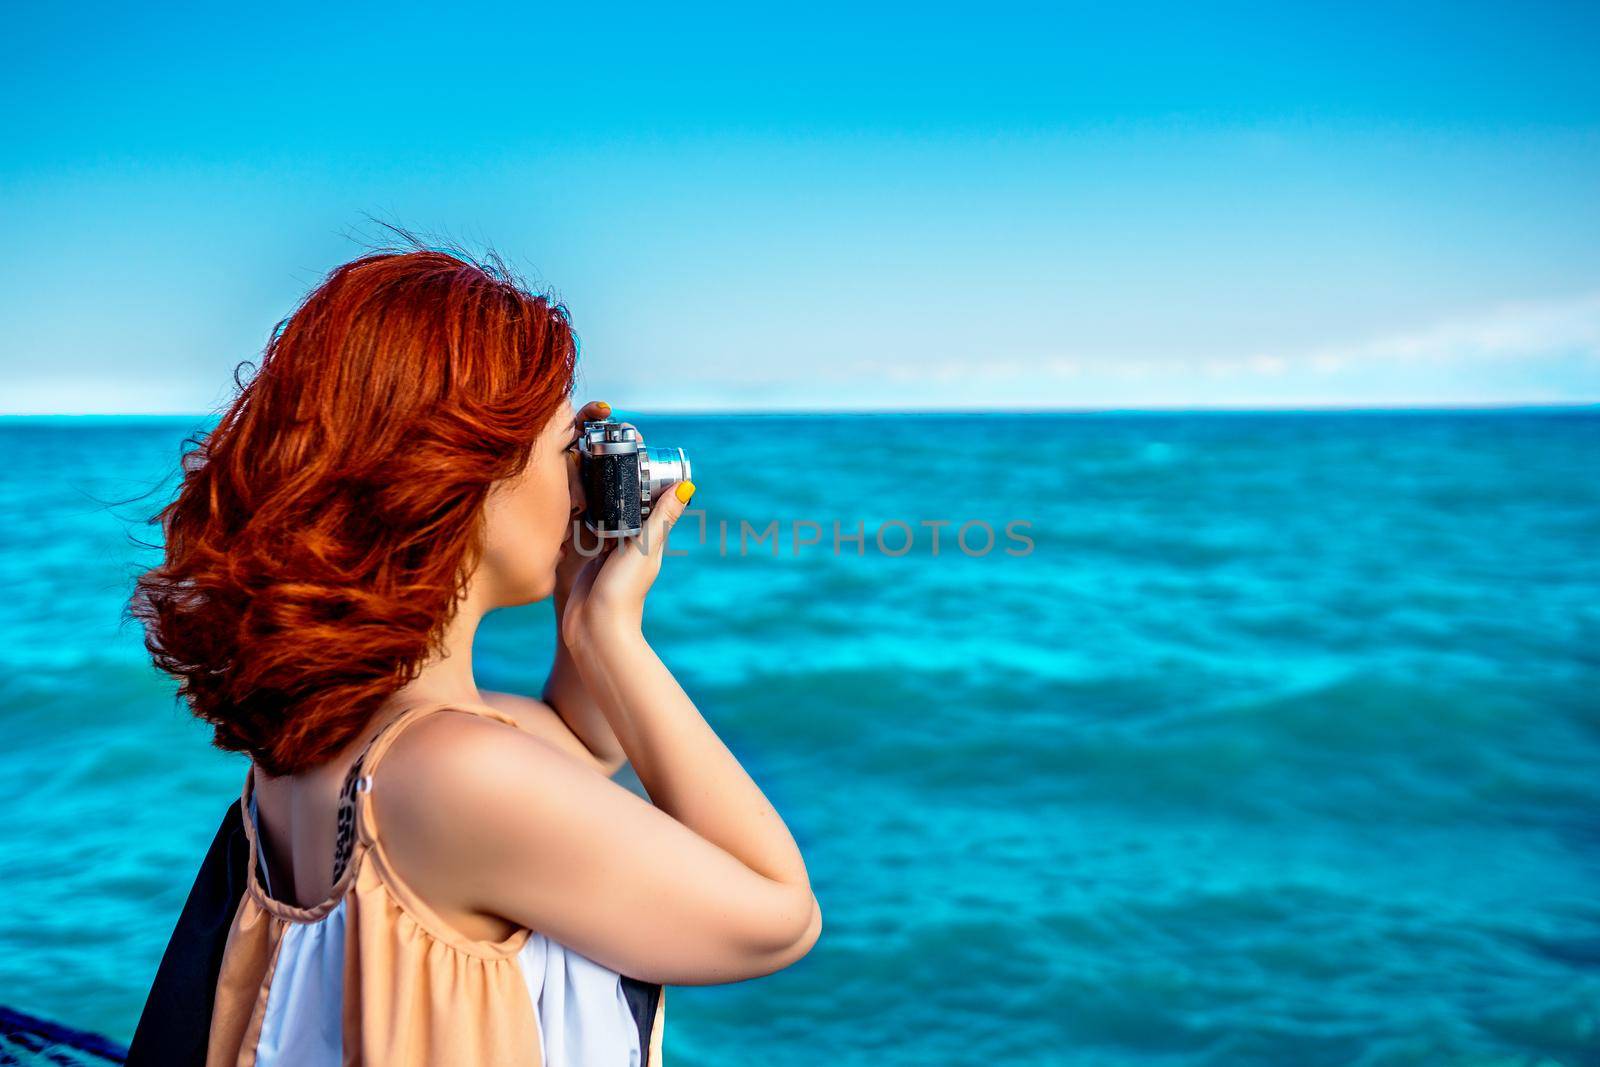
x,y
583,1015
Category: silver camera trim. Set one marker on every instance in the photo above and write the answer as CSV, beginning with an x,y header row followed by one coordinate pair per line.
x,y
627,441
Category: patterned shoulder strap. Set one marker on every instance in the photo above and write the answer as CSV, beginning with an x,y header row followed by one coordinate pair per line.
x,y
344,840
359,778
356,781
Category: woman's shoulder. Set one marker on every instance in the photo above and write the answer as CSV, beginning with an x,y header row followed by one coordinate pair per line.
x,y
436,777
451,790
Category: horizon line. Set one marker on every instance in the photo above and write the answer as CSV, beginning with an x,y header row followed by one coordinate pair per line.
x,y
1084,409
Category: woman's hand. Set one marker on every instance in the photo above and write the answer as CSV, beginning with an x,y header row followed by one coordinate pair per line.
x,y
581,545
610,588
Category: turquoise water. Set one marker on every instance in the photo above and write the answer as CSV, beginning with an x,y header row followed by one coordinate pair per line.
x,y
1279,747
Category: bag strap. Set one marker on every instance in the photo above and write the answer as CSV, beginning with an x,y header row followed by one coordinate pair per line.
x,y
358,781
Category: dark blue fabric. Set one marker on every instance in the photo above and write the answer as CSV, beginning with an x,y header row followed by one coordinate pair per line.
x,y
176,1022
642,1000
25,1039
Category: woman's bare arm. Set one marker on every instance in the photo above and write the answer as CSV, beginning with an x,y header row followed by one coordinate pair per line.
x,y
682,763
483,818
565,697
705,885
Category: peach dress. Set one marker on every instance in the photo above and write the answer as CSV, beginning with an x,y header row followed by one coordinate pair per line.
x,y
371,976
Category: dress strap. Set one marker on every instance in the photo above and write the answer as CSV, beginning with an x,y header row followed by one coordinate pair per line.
x,y
358,782
255,827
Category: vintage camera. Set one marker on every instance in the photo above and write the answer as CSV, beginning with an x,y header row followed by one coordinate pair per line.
x,y
622,478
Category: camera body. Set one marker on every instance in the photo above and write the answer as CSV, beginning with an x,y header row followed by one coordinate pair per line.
x,y
622,478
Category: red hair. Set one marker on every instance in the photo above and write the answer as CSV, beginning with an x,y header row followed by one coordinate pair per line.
x,y
325,529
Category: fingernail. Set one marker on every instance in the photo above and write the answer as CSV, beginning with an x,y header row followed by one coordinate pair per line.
x,y
602,404
685,490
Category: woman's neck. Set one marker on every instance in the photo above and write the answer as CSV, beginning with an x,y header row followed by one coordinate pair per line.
x,y
447,673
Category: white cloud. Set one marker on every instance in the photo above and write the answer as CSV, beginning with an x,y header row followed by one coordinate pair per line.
x,y
1509,331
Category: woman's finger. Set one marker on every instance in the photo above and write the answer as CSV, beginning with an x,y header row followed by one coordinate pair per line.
x,y
664,516
584,582
599,409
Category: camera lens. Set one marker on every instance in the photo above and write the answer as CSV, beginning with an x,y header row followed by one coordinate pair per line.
x,y
664,466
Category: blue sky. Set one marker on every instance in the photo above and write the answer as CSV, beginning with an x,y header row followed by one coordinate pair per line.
x,y
1256,205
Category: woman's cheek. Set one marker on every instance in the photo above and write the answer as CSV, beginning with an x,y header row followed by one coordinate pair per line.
x,y
557,518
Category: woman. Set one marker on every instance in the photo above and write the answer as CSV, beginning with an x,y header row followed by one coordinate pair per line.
x,y
433,873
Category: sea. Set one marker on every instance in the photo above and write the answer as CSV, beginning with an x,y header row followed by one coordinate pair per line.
x,y
1197,738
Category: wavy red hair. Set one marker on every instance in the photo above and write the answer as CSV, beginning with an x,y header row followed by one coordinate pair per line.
x,y
324,530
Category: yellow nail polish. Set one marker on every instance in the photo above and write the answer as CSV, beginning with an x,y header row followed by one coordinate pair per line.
x,y
602,404
685,490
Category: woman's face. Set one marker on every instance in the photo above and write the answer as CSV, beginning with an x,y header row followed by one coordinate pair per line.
x,y
529,516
